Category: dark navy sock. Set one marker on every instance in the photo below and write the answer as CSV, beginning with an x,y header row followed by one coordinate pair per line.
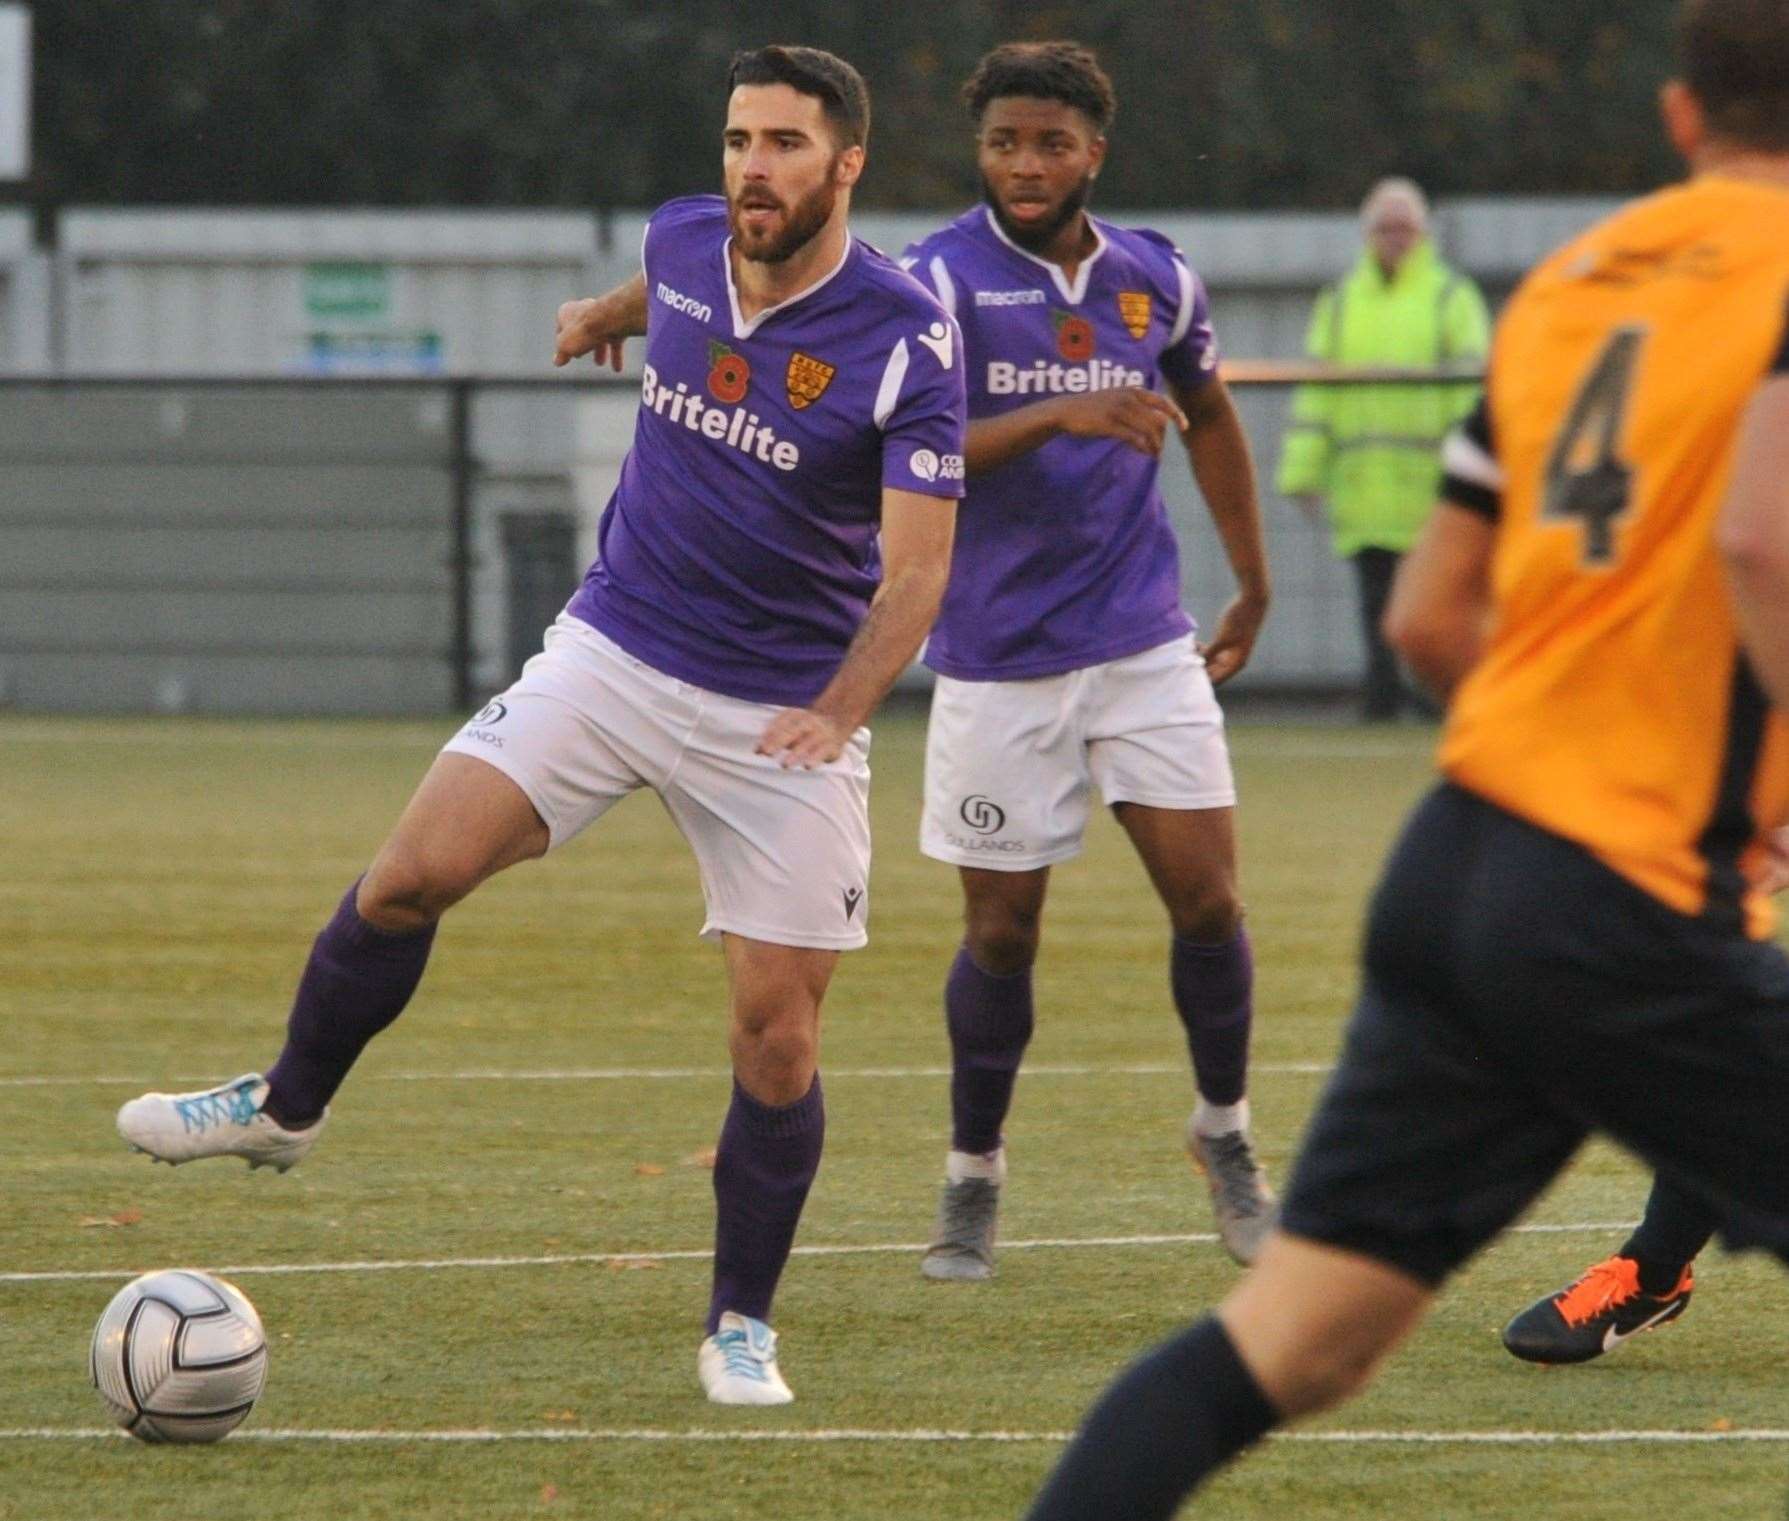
x,y
763,1168
358,979
1169,1422
1214,992
990,1022
1674,1229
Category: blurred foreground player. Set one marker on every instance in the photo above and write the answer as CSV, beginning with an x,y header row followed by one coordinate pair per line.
x,y
1570,934
1648,1281
801,398
1064,657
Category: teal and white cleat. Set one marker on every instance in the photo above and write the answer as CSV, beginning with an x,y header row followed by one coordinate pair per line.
x,y
737,1365
225,1121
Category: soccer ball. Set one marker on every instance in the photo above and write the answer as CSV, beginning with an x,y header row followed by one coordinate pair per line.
x,y
179,1356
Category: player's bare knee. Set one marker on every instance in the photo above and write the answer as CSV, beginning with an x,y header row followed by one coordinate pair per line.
x,y
1004,951
1002,938
775,1059
403,891
1210,916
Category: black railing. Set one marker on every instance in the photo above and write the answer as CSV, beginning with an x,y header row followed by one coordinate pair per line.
x,y
464,466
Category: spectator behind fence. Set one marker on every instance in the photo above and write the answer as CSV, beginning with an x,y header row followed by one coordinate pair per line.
x,y
1373,452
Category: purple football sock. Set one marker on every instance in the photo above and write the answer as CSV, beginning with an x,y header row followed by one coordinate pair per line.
x,y
358,979
763,1168
990,1022
1214,991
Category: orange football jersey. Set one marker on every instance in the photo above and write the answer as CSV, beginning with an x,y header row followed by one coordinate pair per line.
x,y
1614,705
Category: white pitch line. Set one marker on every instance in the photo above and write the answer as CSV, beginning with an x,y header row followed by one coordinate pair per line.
x,y
630,1074
919,1435
697,1254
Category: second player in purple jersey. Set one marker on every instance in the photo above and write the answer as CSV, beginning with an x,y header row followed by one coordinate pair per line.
x,y
739,550
1065,661
1068,558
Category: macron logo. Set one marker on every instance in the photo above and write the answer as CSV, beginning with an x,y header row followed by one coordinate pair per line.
x,y
688,305
937,339
1009,298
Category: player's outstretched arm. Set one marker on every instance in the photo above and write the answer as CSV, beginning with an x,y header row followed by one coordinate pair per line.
x,y
1218,449
1133,415
1441,601
598,325
916,538
1754,537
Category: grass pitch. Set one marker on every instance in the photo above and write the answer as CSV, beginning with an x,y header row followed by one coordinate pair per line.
x,y
550,1095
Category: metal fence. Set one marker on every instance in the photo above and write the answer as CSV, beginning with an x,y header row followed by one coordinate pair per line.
x,y
282,545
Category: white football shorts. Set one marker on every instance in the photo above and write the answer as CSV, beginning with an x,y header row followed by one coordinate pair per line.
x,y
1010,765
784,854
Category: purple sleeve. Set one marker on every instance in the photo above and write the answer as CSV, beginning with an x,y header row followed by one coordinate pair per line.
x,y
921,409
1191,357
678,216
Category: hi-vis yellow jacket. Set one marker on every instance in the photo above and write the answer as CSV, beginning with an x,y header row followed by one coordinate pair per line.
x,y
1374,451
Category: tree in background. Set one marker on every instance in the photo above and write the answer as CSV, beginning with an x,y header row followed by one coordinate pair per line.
x,y
1274,103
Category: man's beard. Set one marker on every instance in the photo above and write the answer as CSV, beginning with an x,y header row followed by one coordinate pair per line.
x,y
1038,236
801,224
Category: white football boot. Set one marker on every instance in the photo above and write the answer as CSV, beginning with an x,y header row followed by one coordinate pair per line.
x,y
737,1365
1243,1205
225,1121
962,1249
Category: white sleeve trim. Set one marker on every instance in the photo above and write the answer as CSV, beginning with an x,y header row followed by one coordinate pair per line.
x,y
946,287
645,233
889,392
1465,460
1184,318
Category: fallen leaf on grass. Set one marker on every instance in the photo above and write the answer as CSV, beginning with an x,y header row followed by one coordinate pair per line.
x,y
1720,1423
700,1158
123,1217
648,1170
559,1415
631,1265
549,1493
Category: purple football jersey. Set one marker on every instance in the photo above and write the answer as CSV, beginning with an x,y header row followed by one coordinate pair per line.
x,y
739,550
1065,556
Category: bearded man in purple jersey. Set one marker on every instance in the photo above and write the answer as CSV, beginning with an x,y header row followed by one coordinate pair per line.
x,y
775,551
1063,655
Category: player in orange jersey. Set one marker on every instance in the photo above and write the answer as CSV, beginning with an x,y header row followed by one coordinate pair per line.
x,y
1570,934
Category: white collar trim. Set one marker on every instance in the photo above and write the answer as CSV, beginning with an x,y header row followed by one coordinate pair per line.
x,y
744,329
1071,293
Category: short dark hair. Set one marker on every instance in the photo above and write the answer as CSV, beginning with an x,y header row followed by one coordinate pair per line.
x,y
838,87
1063,71
1734,56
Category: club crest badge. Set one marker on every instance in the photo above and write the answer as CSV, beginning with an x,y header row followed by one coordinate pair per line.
x,y
1133,311
807,379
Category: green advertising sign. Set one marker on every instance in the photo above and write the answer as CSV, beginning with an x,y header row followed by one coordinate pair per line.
x,y
337,292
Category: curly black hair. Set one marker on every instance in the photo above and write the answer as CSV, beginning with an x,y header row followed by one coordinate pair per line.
x,y
1734,55
1063,71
